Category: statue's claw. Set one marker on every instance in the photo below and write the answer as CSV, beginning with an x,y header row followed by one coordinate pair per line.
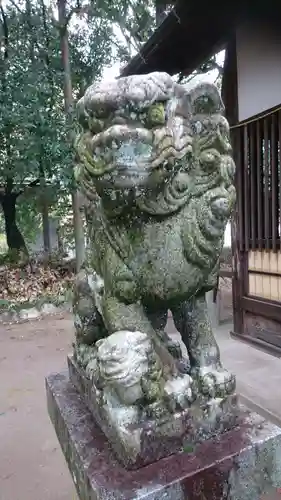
x,y
215,381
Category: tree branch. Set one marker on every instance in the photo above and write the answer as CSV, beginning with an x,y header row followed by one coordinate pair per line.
x,y
131,42
76,10
47,55
34,183
215,65
79,9
209,65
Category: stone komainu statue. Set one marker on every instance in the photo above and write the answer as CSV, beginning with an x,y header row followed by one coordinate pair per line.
x,y
157,171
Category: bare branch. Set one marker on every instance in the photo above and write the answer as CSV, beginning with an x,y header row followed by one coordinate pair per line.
x,y
8,189
14,4
131,42
217,66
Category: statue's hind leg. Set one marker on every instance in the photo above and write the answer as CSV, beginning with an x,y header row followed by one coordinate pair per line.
x,y
192,321
158,319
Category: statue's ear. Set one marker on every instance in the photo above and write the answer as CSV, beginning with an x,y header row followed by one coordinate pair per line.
x,y
205,99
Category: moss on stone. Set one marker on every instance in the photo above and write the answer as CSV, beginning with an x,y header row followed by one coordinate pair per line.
x,y
156,114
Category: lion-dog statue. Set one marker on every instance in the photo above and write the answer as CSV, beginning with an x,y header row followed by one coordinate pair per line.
x,y
157,173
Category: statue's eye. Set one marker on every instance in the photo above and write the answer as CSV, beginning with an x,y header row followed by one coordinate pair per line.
x,y
101,112
204,105
95,125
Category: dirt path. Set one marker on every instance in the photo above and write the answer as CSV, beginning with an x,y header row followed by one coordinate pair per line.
x,y
32,466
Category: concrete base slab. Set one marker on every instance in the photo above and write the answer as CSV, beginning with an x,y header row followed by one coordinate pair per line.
x,y
241,464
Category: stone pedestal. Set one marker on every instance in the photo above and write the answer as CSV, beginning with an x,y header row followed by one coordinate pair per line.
x,y
149,440
240,464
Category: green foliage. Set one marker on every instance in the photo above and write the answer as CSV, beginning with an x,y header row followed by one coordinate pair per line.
x,y
29,218
32,118
35,131
33,128
134,23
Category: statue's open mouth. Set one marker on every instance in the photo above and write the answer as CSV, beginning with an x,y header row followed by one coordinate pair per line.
x,y
133,155
125,147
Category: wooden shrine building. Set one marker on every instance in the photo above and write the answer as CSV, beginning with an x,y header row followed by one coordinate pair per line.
x,y
250,32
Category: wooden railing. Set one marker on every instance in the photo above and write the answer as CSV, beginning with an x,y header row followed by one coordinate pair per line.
x,y
257,145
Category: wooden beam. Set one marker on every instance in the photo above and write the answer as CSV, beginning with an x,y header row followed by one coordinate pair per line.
x,y
265,308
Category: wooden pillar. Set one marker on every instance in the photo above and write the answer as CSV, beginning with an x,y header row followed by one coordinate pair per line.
x,y
239,257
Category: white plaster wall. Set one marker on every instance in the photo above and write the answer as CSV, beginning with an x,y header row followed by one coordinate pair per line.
x,y
258,67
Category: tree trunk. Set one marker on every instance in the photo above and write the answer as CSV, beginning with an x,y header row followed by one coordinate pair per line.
x,y
14,237
78,229
45,216
68,101
60,241
46,228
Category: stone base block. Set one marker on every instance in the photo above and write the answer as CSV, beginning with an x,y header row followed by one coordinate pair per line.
x,y
241,464
149,440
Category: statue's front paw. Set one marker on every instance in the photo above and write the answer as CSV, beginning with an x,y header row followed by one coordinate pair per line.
x,y
215,382
180,391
